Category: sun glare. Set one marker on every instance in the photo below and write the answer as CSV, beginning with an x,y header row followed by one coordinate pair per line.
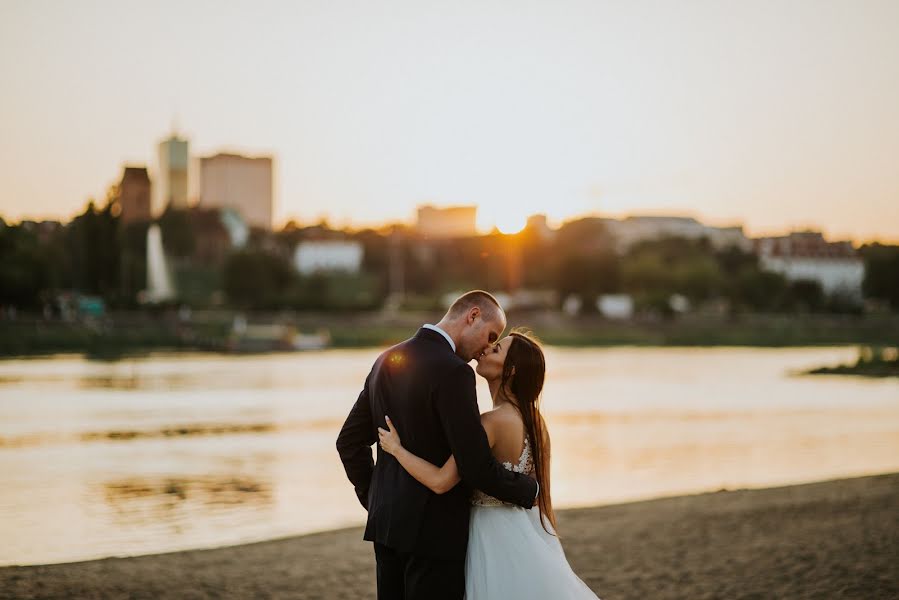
x,y
509,224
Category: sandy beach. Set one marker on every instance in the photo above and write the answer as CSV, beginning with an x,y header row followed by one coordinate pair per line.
x,y
834,539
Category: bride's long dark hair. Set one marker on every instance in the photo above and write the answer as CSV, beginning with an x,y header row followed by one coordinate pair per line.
x,y
524,371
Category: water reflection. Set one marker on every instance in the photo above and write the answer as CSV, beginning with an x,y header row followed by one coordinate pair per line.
x,y
131,382
173,431
184,430
158,372
134,498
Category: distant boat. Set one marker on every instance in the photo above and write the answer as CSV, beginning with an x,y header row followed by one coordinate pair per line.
x,y
312,341
273,337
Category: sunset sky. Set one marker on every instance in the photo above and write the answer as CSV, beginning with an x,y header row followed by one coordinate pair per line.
x,y
774,114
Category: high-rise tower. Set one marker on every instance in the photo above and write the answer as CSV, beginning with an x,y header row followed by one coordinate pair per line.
x,y
170,187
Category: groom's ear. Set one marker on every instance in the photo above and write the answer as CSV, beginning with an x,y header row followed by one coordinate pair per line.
x,y
473,314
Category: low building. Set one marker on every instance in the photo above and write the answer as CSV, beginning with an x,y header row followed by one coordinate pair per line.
x,y
631,230
539,225
806,255
328,255
448,222
615,306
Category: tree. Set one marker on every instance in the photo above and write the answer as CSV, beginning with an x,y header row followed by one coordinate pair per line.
x,y
133,243
177,233
256,279
586,237
23,267
807,295
94,250
673,265
881,273
757,290
588,277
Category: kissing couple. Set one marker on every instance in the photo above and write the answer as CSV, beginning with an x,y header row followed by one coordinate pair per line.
x,y
458,502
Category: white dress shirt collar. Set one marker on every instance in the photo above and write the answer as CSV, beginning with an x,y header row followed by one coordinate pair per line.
x,y
443,333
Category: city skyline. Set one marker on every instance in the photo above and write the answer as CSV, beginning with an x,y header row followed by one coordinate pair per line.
x,y
774,117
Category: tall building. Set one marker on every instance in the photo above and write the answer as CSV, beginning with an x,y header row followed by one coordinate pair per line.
x,y
450,222
240,183
171,175
134,195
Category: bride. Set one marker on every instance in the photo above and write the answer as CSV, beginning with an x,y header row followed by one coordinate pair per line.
x,y
512,552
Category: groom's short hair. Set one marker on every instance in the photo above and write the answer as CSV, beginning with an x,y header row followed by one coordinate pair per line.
x,y
483,300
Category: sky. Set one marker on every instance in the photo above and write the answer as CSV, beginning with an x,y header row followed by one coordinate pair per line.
x,y
776,115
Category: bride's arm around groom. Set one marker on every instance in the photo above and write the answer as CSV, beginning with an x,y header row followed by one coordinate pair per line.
x,y
457,406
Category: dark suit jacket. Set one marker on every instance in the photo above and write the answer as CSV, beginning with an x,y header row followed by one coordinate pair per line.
x,y
429,394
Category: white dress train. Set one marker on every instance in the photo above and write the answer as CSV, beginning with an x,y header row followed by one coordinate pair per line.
x,y
510,554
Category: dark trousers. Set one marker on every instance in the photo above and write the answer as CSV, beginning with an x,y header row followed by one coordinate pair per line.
x,y
405,576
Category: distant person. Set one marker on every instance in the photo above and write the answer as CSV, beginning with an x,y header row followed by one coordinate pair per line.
x,y
472,528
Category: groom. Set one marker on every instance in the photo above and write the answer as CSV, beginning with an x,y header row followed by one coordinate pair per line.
x,y
427,388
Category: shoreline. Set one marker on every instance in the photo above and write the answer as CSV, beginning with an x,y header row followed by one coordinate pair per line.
x,y
834,539
875,362
870,370
145,352
122,334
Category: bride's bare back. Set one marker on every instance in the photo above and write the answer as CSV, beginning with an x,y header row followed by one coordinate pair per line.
x,y
506,433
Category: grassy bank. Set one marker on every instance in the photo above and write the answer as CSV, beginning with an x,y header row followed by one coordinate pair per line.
x,y
107,339
132,333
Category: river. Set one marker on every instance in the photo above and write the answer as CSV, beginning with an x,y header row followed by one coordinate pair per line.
x,y
179,451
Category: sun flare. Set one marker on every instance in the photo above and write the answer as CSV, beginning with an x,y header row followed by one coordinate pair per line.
x,y
510,223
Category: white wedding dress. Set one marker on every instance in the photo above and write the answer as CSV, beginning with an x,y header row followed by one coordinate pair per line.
x,y
511,556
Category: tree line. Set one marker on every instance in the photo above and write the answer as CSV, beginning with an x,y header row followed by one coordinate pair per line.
x,y
96,254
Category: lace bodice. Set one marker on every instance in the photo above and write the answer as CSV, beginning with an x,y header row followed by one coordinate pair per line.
x,y
525,465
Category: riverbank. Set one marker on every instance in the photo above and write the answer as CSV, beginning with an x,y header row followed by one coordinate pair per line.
x,y
871,362
120,334
834,539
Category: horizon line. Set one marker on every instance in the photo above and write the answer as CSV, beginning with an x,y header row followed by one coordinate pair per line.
x,y
359,225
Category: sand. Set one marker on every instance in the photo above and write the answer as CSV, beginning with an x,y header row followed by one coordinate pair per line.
x,y
835,539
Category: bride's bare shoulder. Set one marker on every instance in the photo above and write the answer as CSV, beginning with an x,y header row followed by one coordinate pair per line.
x,y
489,419
501,419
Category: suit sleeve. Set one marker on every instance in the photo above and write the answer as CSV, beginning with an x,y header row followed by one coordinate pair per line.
x,y
457,405
354,444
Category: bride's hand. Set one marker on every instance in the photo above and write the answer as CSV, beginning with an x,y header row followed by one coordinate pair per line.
x,y
389,440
